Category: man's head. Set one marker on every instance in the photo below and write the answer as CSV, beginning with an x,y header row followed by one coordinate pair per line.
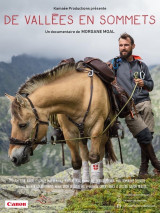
x,y
126,45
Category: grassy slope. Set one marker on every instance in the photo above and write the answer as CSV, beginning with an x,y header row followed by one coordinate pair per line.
x,y
124,195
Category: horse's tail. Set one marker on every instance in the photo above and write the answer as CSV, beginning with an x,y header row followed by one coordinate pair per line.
x,y
110,155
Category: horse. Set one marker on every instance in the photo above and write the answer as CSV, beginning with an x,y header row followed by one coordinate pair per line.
x,y
65,92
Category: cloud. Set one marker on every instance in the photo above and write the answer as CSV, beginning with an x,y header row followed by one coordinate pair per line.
x,y
32,39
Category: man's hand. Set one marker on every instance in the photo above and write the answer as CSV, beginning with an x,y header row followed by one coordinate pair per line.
x,y
139,82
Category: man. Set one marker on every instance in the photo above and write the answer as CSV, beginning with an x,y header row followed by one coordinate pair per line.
x,y
129,71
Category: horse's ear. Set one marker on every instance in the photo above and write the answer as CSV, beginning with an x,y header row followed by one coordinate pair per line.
x,y
11,98
21,100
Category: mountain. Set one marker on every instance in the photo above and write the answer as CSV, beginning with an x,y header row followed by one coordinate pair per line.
x,y
13,74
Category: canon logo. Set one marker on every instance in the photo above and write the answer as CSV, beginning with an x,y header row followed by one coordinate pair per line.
x,y
16,203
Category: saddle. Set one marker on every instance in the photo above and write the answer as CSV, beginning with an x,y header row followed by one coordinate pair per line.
x,y
102,69
118,96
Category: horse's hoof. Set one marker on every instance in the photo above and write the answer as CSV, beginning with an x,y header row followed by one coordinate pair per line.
x,y
94,158
77,165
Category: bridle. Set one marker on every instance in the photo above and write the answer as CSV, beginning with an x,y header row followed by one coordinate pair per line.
x,y
31,141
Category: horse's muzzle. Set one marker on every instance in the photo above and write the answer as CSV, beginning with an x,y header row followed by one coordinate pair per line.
x,y
18,162
20,156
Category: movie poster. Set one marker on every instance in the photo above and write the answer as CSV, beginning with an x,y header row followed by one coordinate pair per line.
x,y
35,37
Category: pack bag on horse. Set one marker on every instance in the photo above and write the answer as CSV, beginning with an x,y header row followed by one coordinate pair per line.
x,y
77,98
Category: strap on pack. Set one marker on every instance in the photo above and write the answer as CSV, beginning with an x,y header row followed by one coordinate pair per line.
x,y
116,63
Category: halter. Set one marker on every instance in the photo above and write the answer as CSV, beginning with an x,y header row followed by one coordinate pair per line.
x,y
31,141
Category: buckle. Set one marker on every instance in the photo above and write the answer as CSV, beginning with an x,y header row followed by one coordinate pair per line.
x,y
135,75
90,73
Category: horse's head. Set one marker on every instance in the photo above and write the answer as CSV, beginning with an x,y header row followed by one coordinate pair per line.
x,y
27,130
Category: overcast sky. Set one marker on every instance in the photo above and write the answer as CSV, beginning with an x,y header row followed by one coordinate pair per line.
x,y
32,39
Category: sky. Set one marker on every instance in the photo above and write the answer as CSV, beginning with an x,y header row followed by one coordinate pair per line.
x,y
32,39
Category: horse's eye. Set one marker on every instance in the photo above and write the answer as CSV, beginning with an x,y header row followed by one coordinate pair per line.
x,y
22,126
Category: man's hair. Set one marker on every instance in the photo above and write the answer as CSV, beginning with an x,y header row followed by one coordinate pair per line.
x,y
125,36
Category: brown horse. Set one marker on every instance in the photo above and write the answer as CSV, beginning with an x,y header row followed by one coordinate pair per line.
x,y
65,92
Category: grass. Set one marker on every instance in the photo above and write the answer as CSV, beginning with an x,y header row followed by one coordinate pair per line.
x,y
123,195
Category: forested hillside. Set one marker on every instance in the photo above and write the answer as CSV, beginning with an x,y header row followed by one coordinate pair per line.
x,y
13,74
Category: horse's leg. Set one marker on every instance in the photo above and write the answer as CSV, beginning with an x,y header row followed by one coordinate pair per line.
x,y
77,180
74,150
76,165
97,168
85,166
69,132
94,154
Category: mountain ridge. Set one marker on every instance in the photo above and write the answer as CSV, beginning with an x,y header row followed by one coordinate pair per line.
x,y
13,74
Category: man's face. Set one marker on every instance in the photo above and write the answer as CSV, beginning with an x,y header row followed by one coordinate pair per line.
x,y
125,48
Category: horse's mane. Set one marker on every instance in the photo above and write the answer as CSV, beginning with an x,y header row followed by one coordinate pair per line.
x,y
41,79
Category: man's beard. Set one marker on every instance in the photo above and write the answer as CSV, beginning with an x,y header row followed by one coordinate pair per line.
x,y
127,55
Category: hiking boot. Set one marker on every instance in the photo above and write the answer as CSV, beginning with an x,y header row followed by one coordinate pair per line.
x,y
143,171
148,149
156,172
